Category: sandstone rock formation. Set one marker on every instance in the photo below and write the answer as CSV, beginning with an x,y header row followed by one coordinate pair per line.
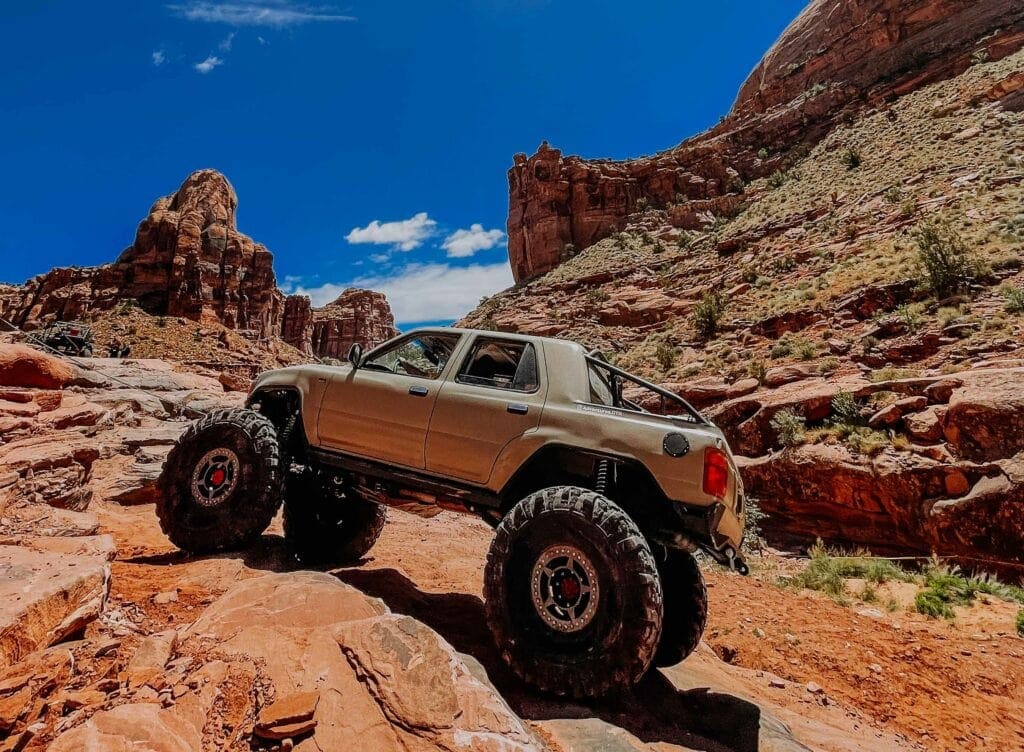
x,y
189,260
361,316
830,62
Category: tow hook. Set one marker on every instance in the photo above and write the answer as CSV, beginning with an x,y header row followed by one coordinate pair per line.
x,y
728,557
736,562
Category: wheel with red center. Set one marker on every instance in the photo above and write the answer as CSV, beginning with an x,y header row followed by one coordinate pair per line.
x,y
572,593
222,482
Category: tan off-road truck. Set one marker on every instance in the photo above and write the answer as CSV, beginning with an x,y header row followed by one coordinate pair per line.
x,y
598,503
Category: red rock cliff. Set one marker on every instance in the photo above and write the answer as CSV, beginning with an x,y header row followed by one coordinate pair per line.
x,y
833,57
361,316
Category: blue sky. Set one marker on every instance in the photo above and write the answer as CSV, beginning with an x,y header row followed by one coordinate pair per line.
x,y
368,141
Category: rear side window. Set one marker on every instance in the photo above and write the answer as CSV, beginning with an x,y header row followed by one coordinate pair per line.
x,y
501,364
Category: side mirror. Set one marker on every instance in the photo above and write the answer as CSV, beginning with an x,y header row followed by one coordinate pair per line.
x,y
355,355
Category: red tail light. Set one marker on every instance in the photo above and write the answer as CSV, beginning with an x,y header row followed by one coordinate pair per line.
x,y
716,472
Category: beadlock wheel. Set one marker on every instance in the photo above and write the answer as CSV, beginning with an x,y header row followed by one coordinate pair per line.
x,y
564,588
215,477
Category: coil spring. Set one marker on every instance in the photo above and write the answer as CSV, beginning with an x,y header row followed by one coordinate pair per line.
x,y
601,477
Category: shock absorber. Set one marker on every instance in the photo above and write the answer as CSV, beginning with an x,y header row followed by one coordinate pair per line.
x,y
601,476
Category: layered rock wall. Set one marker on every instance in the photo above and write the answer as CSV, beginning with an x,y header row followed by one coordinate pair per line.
x,y
361,316
834,58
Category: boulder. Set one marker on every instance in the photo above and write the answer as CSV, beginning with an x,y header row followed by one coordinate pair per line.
x,y
985,419
45,597
925,427
23,366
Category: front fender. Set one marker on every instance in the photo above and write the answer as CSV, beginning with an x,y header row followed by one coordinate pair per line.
x,y
308,383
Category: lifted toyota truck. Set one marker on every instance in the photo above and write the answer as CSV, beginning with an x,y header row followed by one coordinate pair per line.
x,y
598,503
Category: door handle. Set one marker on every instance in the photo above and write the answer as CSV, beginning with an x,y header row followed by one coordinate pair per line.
x,y
518,408
418,391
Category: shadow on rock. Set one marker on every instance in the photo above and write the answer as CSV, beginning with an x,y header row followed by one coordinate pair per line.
x,y
654,711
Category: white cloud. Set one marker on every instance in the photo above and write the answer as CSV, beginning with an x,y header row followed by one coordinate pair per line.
x,y
426,292
404,235
226,42
159,58
464,243
208,65
274,13
380,258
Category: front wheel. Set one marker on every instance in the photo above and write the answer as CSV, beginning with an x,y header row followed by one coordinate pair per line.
x,y
572,593
222,482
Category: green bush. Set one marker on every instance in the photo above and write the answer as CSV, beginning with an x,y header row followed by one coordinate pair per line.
x,y
666,356
947,263
707,314
845,410
852,159
910,316
777,179
1014,299
931,604
789,427
1020,622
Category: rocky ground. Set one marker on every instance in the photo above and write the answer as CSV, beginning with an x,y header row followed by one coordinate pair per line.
x,y
110,637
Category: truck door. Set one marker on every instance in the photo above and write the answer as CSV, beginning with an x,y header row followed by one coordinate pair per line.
x,y
382,409
496,394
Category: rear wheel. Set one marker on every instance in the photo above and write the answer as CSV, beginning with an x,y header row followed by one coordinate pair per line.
x,y
222,482
323,525
686,606
572,593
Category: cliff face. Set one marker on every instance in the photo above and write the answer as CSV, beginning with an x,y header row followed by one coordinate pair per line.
x,y
357,315
832,61
189,260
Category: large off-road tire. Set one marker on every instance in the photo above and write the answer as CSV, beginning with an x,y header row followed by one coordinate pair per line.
x,y
324,526
572,593
222,482
686,606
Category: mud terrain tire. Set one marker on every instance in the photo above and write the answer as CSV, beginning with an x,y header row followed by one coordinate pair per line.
x,y
325,528
585,649
222,482
686,607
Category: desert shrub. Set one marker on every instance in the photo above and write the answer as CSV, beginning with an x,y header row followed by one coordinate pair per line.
x,y
949,314
642,204
789,427
867,441
707,314
568,251
909,314
805,350
869,343
666,355
1020,622
777,179
845,409
931,604
597,295
753,537
945,259
851,158
893,194
762,153
891,373
829,365
1014,299
756,369
907,207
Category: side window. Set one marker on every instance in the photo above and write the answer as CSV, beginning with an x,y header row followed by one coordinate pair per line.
x,y
424,356
501,364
